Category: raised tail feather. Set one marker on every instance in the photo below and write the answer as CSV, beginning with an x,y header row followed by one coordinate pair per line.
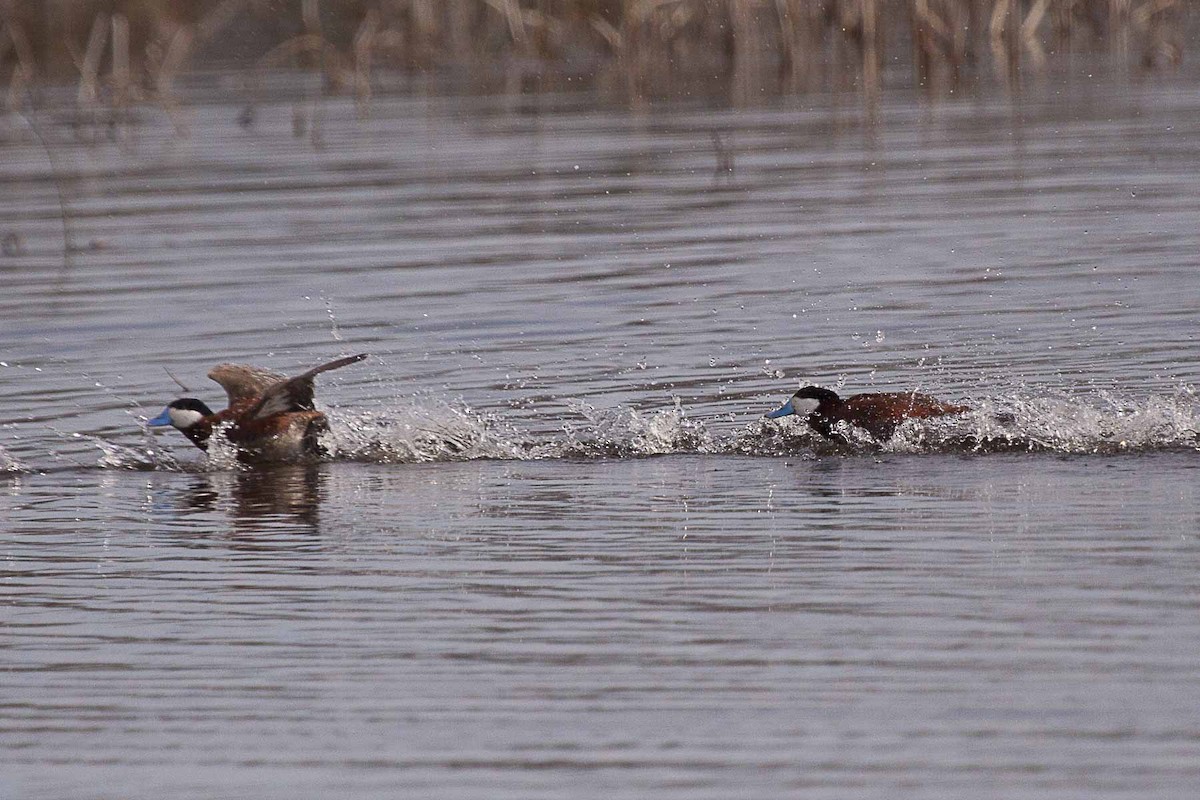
x,y
336,364
296,394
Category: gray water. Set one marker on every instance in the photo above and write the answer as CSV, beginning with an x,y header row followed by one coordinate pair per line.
x,y
555,551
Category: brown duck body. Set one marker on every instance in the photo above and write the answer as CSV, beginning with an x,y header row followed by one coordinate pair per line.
x,y
280,437
270,417
877,413
880,413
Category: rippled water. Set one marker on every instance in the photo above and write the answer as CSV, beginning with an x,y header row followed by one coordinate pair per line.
x,y
555,550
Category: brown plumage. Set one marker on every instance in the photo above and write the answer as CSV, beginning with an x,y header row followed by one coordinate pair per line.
x,y
878,413
270,417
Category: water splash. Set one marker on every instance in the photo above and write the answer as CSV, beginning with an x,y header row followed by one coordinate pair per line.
x,y
221,454
8,464
626,432
413,434
150,456
1099,422
1102,423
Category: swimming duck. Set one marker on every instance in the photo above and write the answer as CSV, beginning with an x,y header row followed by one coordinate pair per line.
x,y
270,417
878,413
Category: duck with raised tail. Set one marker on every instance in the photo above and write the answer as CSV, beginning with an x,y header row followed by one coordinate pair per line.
x,y
270,417
877,413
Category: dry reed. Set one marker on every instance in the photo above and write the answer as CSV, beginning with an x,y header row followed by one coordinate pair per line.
x,y
121,52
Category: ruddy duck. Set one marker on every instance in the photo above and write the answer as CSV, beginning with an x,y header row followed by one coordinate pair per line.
x,y
879,414
270,417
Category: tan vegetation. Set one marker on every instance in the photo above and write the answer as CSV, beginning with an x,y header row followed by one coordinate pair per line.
x,y
117,52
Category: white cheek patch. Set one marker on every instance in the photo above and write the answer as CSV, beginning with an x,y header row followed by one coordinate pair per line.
x,y
804,405
184,417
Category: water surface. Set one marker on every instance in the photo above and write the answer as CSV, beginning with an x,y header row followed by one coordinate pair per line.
x,y
555,551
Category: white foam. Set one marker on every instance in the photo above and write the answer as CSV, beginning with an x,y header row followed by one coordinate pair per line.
x,y
8,463
1100,422
1030,420
629,432
221,454
411,434
119,456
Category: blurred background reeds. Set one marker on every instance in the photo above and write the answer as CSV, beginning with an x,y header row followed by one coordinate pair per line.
x,y
114,53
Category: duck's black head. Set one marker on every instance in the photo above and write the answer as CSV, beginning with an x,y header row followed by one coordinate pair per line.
x,y
182,413
821,395
806,401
